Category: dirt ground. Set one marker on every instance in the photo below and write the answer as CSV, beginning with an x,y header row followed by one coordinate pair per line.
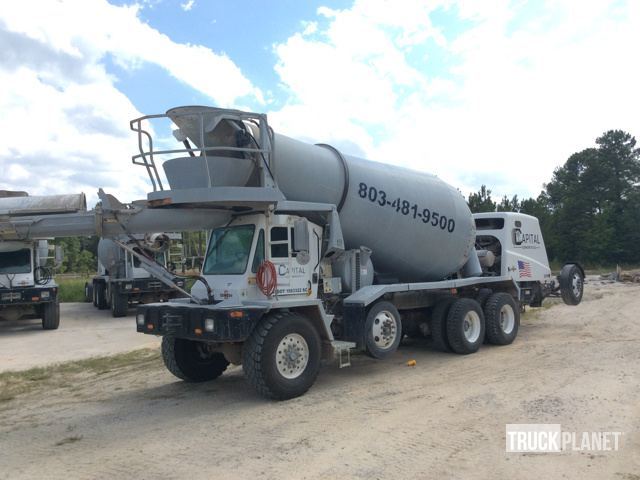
x,y
443,418
84,332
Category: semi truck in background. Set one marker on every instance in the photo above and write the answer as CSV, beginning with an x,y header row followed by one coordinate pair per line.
x,y
318,253
27,287
122,281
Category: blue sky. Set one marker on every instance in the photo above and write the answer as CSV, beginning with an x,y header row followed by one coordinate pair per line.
x,y
499,92
245,34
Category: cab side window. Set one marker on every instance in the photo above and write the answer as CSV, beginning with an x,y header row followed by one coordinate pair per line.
x,y
279,242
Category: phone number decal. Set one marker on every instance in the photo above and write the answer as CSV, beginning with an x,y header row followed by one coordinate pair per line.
x,y
404,207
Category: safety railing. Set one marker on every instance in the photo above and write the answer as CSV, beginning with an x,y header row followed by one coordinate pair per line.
x,y
208,120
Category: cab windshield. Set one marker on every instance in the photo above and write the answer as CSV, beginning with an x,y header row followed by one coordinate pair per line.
x,y
229,250
18,261
158,257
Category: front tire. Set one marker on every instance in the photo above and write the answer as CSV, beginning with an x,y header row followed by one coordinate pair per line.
x,y
101,296
382,330
502,319
465,326
281,357
119,304
192,361
571,284
51,316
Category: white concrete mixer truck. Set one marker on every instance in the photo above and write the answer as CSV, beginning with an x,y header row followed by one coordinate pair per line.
x,y
121,280
27,287
317,253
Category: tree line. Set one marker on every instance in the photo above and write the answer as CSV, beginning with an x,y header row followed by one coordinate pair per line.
x,y
590,209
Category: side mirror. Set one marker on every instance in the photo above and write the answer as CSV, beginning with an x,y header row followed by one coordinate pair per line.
x,y
301,235
59,256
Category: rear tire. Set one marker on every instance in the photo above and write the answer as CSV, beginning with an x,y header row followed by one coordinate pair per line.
x,y
190,361
571,284
281,357
88,293
438,324
483,295
119,304
101,296
465,326
51,316
502,319
94,292
382,330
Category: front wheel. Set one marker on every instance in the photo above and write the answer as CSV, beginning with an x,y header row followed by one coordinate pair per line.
x,y
119,304
571,284
192,361
51,316
100,292
281,357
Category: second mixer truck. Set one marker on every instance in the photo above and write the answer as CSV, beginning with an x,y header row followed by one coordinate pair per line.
x,y
121,280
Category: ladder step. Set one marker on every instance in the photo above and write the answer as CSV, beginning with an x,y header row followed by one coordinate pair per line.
x,y
342,350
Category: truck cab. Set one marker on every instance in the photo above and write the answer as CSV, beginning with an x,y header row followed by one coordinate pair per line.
x,y
236,251
27,289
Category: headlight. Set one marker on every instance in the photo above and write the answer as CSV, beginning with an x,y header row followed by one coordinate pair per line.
x,y
44,294
180,284
140,319
128,286
208,324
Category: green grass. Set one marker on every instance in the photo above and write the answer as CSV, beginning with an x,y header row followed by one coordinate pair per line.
x,y
14,384
71,289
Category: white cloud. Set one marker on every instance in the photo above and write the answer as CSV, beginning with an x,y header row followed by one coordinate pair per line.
x,y
503,102
64,122
188,5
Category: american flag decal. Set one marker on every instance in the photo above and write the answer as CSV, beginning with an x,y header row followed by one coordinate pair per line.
x,y
524,268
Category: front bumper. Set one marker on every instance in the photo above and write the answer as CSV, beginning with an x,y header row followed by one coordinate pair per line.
x,y
139,286
29,296
190,321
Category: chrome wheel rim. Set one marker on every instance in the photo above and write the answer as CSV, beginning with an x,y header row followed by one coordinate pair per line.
x,y
507,319
576,284
384,330
471,326
292,356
